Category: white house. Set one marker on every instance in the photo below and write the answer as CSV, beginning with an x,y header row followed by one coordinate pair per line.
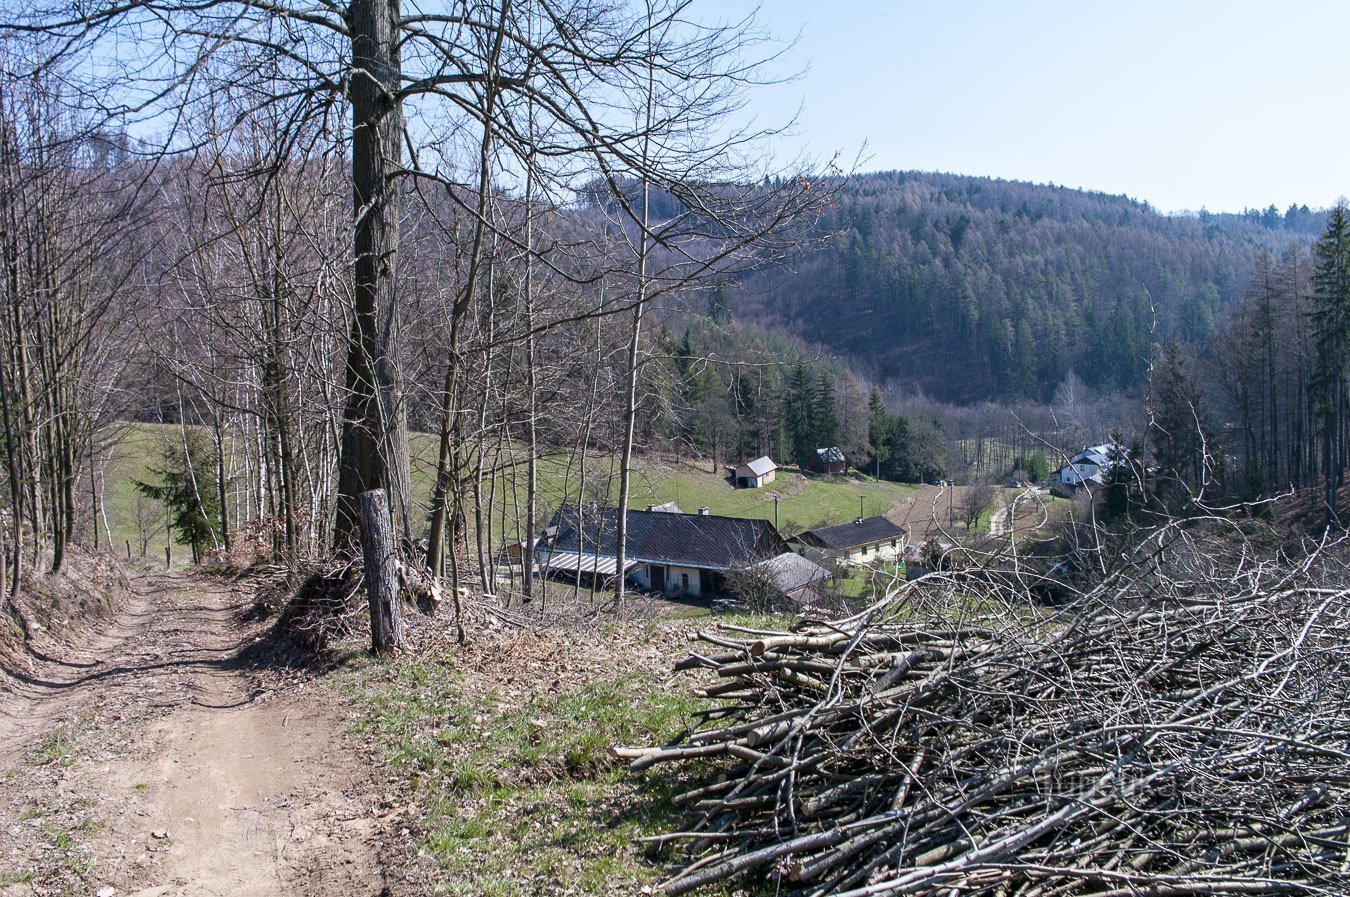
x,y
861,542
1090,465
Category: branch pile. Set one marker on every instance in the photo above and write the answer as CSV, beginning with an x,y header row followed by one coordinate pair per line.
x,y
1179,730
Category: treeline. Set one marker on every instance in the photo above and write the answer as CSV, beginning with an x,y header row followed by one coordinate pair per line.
x,y
974,289
1265,407
730,394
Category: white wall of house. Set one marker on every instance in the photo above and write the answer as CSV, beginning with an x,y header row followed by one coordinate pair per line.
x,y
679,580
867,554
889,552
1073,474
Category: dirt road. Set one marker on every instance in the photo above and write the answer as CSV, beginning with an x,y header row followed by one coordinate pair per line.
x,y
153,761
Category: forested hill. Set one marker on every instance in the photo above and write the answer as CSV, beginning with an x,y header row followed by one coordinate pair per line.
x,y
974,288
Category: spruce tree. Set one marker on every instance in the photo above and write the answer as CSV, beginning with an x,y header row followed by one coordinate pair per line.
x,y
1331,334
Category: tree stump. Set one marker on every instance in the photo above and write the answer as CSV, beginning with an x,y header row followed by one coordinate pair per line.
x,y
377,544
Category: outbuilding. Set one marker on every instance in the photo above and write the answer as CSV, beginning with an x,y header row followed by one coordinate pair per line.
x,y
754,474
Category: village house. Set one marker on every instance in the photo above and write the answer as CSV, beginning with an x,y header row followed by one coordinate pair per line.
x,y
753,474
829,460
864,540
1090,465
678,554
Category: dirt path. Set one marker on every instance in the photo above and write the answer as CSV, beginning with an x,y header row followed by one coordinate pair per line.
x,y
150,763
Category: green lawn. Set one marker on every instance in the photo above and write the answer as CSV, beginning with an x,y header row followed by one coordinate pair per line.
x,y
804,501
137,449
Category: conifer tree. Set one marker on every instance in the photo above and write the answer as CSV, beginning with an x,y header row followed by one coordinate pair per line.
x,y
1331,333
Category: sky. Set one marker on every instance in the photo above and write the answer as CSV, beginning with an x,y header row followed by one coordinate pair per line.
x,y
1186,104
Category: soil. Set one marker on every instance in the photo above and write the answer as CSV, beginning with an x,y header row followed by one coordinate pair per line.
x,y
924,512
168,756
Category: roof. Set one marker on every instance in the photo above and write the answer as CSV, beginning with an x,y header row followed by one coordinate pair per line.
x,y
571,562
759,466
686,540
1101,455
668,508
863,531
790,572
831,455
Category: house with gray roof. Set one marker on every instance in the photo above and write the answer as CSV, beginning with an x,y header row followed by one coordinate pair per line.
x,y
829,460
679,554
865,539
1089,466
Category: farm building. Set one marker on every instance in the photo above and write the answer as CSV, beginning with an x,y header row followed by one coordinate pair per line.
x,y
679,554
754,474
865,539
797,578
829,460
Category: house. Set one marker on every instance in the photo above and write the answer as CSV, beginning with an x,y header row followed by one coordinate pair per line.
x,y
753,474
1090,464
797,578
865,539
679,554
829,460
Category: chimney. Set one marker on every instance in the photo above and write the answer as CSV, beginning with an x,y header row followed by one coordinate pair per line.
x,y
703,512
651,507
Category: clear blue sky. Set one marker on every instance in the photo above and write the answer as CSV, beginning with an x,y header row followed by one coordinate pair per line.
x,y
1184,104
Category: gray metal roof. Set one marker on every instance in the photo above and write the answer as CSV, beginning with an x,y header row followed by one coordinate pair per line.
x,y
789,571
759,466
704,541
571,562
863,531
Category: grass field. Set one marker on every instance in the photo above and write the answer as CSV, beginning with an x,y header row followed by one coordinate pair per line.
x,y
803,501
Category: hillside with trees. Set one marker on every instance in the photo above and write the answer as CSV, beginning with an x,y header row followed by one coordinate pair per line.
x,y
976,289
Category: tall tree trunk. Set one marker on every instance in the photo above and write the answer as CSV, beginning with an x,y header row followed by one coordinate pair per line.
x,y
374,451
377,542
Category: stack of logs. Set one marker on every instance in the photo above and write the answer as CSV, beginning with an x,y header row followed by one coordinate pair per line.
x,y
1170,733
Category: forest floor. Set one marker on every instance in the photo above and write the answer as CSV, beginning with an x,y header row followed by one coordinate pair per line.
x,y
173,752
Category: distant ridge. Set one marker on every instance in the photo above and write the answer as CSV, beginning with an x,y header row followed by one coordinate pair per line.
x,y
978,288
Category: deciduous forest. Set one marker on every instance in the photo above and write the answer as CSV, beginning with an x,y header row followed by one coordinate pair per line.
x,y
359,306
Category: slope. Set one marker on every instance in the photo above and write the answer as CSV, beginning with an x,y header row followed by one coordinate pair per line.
x,y
975,288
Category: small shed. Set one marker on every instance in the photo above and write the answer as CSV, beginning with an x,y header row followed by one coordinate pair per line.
x,y
756,473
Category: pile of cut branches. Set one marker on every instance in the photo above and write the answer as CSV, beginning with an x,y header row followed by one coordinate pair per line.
x,y
1183,728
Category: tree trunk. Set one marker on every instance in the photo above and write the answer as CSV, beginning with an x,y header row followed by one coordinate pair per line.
x,y
377,543
374,451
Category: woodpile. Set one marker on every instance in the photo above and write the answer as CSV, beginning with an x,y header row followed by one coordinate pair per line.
x,y
1182,728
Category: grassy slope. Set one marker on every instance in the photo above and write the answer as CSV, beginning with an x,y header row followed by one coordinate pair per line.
x,y
138,448
804,501
503,749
